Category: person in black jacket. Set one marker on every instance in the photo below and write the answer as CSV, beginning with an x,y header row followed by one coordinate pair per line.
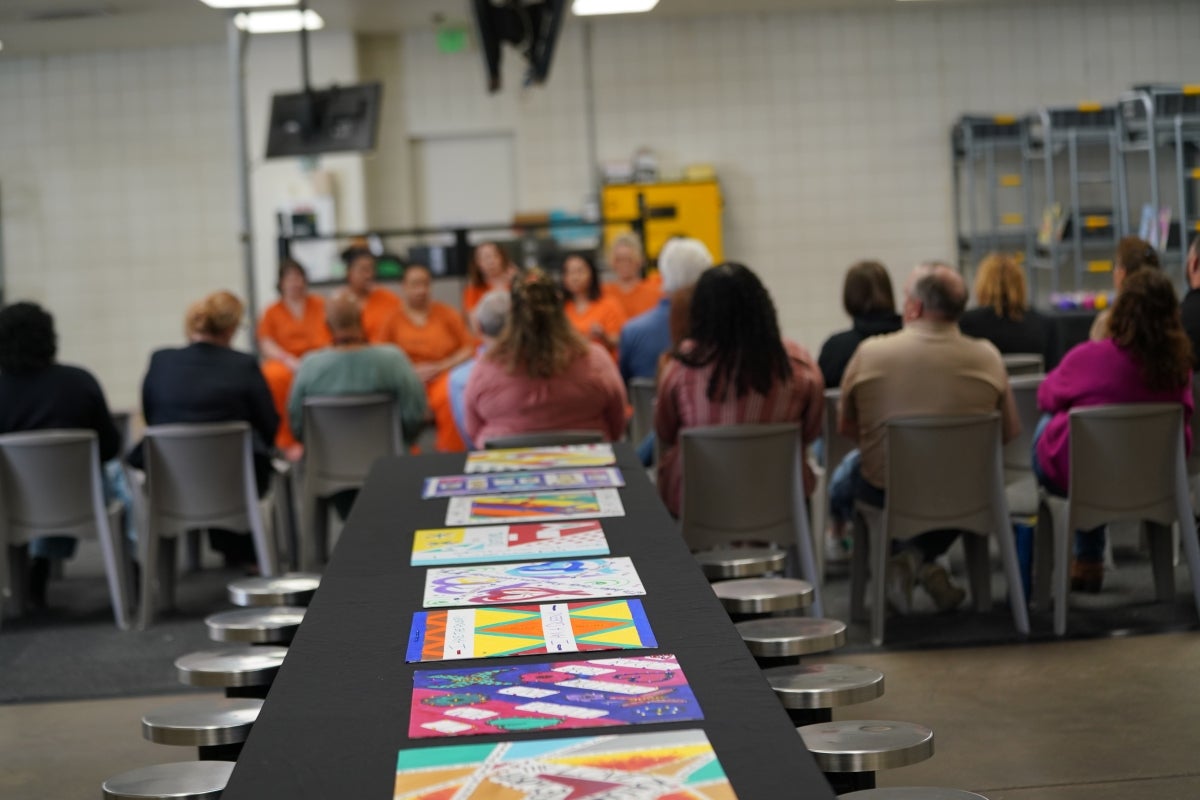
x,y
1189,309
208,381
35,394
1003,316
868,299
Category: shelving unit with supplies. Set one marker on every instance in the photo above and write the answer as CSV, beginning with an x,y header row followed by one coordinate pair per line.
x,y
990,211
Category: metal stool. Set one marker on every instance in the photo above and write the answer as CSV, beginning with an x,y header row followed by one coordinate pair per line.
x,y
810,692
749,596
240,671
264,625
740,562
293,589
776,641
183,780
914,793
217,727
851,752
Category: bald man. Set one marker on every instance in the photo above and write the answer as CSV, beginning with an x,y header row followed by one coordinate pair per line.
x,y
928,368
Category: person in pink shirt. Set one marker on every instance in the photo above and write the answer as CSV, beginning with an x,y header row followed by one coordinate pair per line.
x,y
541,375
733,368
1145,359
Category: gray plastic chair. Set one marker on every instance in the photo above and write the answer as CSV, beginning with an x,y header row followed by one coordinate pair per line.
x,y
642,392
543,439
198,475
1193,460
1020,483
1024,363
344,436
1127,463
745,483
50,484
942,472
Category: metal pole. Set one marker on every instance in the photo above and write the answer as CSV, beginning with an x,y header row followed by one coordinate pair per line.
x,y
304,46
589,109
237,74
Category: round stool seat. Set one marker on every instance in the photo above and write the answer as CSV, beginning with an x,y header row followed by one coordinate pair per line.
x,y
293,589
262,625
237,666
867,745
914,793
202,723
824,685
763,595
776,637
183,780
740,562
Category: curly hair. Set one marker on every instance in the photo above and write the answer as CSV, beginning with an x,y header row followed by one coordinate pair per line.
x,y
218,314
1146,322
28,342
867,288
1000,283
538,338
733,326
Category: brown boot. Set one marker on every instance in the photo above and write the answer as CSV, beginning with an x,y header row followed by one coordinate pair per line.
x,y
1087,576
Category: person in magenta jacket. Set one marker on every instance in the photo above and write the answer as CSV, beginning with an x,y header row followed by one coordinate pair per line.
x,y
541,375
1146,359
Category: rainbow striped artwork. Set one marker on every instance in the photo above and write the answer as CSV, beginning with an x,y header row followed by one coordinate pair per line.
x,y
495,509
531,582
570,456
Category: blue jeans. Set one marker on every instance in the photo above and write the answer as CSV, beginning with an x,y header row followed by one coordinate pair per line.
x,y
1089,545
116,487
844,486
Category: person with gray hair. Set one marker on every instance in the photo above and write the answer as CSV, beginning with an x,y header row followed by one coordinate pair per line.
x,y
632,292
928,368
489,317
647,336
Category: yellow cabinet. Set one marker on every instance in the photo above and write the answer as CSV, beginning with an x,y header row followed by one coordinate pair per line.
x,y
696,205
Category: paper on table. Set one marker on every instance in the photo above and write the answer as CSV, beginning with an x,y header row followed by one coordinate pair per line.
x,y
508,542
531,581
534,507
532,458
465,485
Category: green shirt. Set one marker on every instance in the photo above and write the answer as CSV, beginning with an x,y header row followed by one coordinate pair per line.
x,y
379,369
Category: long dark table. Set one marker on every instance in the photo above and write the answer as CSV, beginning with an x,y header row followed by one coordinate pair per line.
x,y
338,711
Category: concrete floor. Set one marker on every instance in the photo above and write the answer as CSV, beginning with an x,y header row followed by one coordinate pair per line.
x,y
1101,719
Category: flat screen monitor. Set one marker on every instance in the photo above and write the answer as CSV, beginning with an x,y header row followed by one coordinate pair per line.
x,y
333,120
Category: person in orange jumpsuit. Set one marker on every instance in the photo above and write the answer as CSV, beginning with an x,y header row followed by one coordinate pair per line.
x,y
436,340
289,328
633,293
490,268
378,304
597,318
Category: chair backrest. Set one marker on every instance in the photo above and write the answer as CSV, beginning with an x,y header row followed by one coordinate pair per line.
x,y
543,439
1024,363
199,475
1018,454
837,447
641,396
1124,462
1193,460
943,472
740,483
50,483
344,435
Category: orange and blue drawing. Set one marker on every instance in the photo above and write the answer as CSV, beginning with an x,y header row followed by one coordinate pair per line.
x,y
534,507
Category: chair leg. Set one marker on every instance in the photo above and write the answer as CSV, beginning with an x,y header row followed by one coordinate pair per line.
x,y
116,567
805,550
858,569
979,570
1043,557
167,569
18,572
1162,556
194,550
320,539
1012,571
1191,546
879,559
1063,527
148,547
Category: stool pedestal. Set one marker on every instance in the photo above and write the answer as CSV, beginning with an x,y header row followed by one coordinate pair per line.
x,y
851,752
261,625
241,671
810,692
184,780
293,589
777,641
759,596
740,562
914,793
217,727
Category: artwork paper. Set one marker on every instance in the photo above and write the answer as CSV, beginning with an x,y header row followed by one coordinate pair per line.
x,y
563,695
568,456
528,630
539,507
508,543
465,485
532,581
665,765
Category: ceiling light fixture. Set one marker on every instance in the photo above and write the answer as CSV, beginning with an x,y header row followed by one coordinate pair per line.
x,y
587,8
241,5
288,21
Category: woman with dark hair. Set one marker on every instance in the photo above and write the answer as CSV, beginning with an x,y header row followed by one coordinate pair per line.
x,y
1132,256
378,304
593,315
490,269
1146,359
868,300
290,327
37,393
733,368
1003,316
541,375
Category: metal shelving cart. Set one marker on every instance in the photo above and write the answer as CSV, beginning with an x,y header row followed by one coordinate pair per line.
x,y
1075,148
989,208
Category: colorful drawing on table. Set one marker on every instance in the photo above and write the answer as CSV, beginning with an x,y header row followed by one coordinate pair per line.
x,y
528,630
508,542
534,507
563,695
664,765
464,485
570,456
531,582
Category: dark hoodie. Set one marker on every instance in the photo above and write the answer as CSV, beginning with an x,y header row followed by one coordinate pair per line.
x,y
837,350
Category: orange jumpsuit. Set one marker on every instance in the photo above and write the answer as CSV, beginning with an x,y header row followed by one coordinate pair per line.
x,y
296,336
604,311
642,298
377,312
442,335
